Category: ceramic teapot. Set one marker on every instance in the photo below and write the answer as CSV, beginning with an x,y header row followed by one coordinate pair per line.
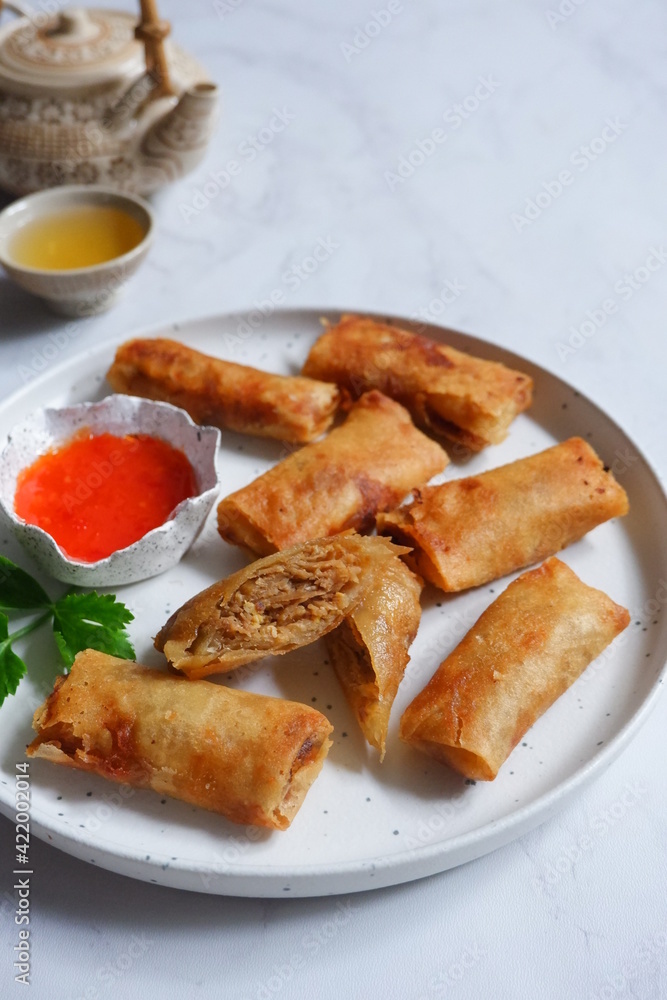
x,y
99,97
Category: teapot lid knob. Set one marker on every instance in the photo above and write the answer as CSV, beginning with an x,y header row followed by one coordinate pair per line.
x,y
73,25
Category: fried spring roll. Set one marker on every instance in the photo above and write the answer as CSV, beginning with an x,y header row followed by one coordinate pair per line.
x,y
469,531
276,604
518,658
247,756
224,394
366,465
369,651
449,393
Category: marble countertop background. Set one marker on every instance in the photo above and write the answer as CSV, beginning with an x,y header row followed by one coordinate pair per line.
x,y
497,168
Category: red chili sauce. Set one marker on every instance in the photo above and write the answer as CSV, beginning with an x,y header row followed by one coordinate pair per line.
x,y
95,495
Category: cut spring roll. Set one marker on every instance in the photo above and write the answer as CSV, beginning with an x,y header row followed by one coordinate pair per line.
x,y
517,659
369,651
449,393
469,531
223,393
247,756
275,605
368,464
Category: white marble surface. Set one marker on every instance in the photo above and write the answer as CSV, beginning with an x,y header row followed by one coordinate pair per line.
x,y
535,919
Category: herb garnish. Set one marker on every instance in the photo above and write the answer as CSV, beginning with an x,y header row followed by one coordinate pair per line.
x,y
80,621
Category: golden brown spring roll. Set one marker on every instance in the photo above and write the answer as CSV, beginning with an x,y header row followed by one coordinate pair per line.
x,y
516,660
247,756
469,531
369,651
223,393
449,393
366,465
276,604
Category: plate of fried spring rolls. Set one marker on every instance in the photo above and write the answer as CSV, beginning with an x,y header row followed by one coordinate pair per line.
x,y
361,823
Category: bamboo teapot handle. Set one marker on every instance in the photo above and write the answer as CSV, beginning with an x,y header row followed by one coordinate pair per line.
x,y
152,32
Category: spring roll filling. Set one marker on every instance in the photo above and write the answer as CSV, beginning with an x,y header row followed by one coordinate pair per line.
x,y
305,768
279,602
441,426
355,663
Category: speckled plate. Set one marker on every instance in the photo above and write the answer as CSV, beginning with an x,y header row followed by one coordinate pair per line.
x,y
363,825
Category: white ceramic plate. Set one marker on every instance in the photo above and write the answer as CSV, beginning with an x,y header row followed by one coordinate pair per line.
x,y
363,825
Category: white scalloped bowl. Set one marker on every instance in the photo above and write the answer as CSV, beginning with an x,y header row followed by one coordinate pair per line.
x,y
159,549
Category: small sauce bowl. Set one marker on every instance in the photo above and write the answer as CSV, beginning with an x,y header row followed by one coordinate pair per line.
x,y
74,291
156,551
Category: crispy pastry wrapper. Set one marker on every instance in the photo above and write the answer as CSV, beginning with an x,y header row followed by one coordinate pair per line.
x,y
274,605
246,756
223,393
369,650
519,657
368,464
467,532
449,393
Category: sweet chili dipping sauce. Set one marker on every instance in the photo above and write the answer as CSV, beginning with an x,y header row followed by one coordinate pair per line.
x,y
97,494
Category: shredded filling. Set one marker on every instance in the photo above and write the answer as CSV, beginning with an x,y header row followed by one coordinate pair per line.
x,y
281,605
439,425
297,783
353,660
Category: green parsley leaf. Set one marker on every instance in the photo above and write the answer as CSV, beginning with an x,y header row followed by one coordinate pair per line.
x,y
91,621
12,667
18,589
80,621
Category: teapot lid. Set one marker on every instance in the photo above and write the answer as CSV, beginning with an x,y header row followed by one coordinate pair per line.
x,y
78,47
